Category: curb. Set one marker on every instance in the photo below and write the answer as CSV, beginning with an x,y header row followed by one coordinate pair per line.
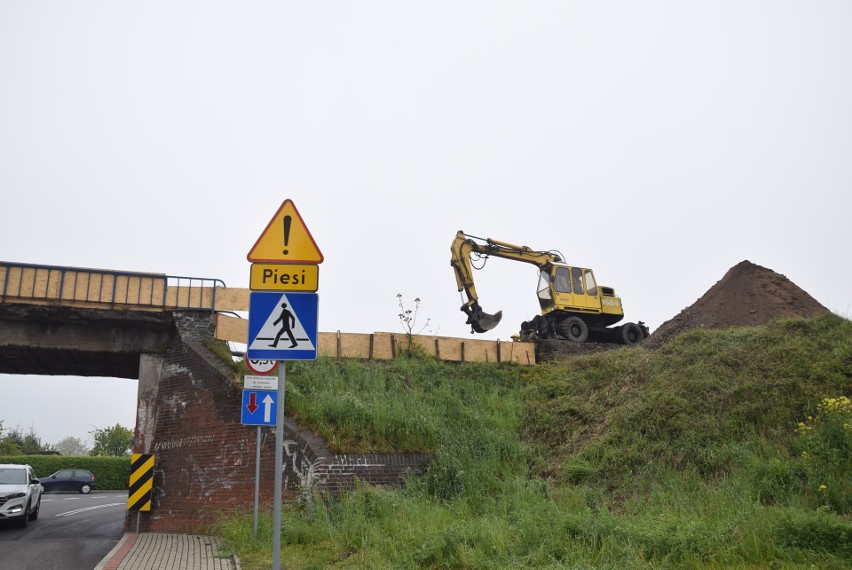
x,y
118,552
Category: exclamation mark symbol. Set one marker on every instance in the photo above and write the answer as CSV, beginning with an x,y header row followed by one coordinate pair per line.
x,y
287,221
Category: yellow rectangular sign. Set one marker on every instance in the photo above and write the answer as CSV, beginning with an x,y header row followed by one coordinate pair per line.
x,y
283,277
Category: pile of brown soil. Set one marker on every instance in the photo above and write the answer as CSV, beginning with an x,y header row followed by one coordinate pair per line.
x,y
747,295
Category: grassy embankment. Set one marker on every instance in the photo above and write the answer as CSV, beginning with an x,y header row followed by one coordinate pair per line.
x,y
723,449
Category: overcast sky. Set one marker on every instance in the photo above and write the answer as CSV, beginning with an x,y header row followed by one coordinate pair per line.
x,y
659,143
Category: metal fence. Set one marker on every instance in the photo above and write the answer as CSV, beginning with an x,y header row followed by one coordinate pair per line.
x,y
45,283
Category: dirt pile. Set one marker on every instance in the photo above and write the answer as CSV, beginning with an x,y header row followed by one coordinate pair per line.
x,y
747,295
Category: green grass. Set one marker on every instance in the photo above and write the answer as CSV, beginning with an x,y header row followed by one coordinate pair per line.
x,y
719,450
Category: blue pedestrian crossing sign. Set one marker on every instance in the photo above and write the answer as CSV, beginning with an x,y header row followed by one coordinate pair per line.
x,y
259,408
282,326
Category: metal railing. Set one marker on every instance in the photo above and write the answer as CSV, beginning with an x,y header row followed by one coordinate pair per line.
x,y
22,281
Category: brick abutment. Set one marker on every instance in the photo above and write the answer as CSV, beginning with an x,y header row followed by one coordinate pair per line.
x,y
189,417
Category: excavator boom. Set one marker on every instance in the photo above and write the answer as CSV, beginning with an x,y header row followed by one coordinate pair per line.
x,y
463,247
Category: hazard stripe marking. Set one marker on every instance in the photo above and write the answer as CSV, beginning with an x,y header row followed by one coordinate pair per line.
x,y
141,482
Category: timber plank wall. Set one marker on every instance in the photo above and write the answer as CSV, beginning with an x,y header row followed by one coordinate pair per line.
x,y
385,346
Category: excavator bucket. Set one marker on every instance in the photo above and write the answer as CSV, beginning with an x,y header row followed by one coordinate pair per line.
x,y
480,321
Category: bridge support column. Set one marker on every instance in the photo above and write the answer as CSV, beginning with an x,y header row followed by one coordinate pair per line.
x,y
150,372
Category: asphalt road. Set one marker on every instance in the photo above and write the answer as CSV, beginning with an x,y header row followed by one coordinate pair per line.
x,y
73,532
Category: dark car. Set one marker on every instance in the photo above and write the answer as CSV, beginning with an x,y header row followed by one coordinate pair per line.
x,y
79,480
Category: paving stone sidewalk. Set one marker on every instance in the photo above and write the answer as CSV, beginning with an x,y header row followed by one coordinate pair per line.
x,y
150,551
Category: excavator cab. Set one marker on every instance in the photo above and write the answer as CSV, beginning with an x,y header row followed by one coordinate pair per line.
x,y
543,291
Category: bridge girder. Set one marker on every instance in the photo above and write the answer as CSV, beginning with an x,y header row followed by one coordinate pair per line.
x,y
71,341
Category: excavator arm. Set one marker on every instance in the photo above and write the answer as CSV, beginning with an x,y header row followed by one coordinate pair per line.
x,y
463,248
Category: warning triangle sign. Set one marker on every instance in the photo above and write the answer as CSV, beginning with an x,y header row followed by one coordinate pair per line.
x,y
286,239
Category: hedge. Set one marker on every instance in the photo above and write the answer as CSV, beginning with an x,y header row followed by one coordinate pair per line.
x,y
111,473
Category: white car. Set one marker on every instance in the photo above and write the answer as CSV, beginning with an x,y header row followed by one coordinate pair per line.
x,y
20,494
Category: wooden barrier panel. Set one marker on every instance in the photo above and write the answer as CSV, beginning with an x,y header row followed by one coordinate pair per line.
x,y
385,345
232,299
232,329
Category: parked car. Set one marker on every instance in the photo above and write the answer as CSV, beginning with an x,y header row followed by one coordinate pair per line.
x,y
79,480
20,494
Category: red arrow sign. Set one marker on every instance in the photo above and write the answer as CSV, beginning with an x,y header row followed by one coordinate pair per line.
x,y
252,405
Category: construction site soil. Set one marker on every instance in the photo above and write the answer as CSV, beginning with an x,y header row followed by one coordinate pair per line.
x,y
748,294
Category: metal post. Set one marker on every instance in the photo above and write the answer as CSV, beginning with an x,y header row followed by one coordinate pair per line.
x,y
279,467
256,482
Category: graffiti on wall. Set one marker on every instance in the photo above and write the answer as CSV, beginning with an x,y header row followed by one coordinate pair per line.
x,y
183,441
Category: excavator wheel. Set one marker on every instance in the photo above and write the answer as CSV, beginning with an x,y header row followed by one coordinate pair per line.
x,y
574,329
631,334
540,326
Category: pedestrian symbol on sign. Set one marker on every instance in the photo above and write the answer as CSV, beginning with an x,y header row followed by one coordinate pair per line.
x,y
287,320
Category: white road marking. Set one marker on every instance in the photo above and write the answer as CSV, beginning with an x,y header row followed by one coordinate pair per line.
x,y
78,511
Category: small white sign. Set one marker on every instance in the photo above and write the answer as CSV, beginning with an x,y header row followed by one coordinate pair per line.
x,y
251,382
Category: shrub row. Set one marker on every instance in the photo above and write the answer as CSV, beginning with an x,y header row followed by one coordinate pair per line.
x,y
111,473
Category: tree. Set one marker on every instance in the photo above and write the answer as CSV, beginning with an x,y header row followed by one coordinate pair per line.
x,y
33,444
8,444
14,442
114,441
71,446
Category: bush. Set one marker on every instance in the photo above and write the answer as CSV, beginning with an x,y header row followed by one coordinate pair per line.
x,y
815,531
825,445
775,482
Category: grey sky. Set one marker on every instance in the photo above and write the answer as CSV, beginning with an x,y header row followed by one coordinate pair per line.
x,y
659,143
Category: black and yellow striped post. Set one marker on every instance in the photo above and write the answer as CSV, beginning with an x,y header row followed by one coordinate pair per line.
x,y
141,482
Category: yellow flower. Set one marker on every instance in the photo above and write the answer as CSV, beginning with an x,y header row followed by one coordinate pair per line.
x,y
822,488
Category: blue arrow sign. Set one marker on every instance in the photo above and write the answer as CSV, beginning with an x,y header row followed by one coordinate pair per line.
x,y
282,326
259,408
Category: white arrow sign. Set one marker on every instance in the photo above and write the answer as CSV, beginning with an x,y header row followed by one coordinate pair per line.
x,y
267,408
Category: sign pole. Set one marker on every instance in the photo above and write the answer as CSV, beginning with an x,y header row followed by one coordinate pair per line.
x,y
283,273
279,469
256,481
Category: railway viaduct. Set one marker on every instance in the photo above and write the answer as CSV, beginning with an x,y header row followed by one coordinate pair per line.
x,y
156,329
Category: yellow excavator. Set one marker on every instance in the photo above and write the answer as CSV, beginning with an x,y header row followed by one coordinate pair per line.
x,y
573,305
